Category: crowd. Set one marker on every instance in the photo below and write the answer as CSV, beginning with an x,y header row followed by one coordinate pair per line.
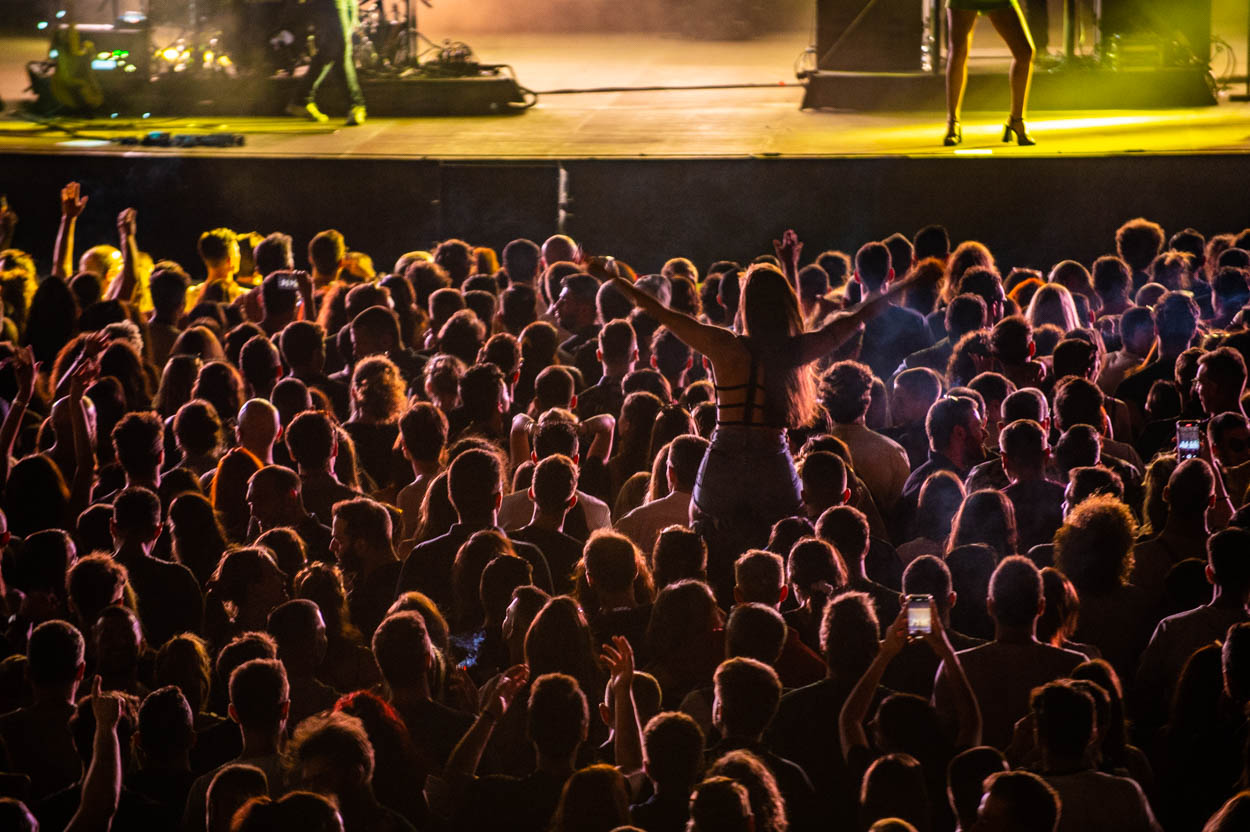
x,y
528,541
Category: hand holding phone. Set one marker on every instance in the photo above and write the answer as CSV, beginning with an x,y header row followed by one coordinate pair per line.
x,y
919,614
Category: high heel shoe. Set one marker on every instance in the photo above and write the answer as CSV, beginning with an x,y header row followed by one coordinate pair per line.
x,y
1015,126
954,134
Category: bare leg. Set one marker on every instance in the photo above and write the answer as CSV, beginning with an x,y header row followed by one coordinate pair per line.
x,y
959,26
1010,24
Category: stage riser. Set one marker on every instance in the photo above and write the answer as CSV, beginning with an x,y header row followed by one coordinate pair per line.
x,y
1029,211
1129,89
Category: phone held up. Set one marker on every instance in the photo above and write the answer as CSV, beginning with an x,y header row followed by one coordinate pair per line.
x,y
919,614
1188,440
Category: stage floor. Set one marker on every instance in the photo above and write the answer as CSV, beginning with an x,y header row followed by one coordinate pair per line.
x,y
757,121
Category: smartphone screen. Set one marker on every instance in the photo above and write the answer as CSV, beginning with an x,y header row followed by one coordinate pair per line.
x,y
1187,440
919,614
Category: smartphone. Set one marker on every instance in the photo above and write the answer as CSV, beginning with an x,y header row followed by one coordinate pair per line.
x,y
288,284
919,614
1188,440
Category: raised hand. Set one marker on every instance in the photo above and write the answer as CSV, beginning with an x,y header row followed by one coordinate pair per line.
x,y
126,223
896,637
936,637
84,376
609,268
509,685
619,658
788,248
94,344
106,707
72,203
303,281
24,368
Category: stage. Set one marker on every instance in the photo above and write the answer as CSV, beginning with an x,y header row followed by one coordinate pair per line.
x,y
699,148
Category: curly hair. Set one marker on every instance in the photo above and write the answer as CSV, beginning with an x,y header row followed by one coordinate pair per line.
x,y
1094,547
377,391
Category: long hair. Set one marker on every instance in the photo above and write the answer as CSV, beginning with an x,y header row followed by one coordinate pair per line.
x,y
177,380
198,538
985,517
771,320
767,804
559,641
1053,304
36,497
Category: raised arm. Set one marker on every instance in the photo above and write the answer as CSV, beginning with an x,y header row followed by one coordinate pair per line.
x,y
308,296
855,709
1222,510
701,337
102,787
462,764
92,345
626,732
84,454
599,429
966,707
72,205
123,288
788,249
24,368
820,342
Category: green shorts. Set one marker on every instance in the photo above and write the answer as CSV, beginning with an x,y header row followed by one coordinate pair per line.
x,y
980,5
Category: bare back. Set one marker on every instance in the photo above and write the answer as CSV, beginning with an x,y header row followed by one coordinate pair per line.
x,y
738,376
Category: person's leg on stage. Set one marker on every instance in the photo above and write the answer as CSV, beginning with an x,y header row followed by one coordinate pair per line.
x,y
329,40
959,25
1010,24
346,15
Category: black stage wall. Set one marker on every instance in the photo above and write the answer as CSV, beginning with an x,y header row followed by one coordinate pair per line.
x,y
1029,211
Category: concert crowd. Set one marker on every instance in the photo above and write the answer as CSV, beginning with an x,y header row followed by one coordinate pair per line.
x,y
897,539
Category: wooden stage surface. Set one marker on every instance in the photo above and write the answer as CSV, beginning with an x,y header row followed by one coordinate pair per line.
x,y
759,121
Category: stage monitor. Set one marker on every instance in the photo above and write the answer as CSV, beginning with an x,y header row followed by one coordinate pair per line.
x,y
870,35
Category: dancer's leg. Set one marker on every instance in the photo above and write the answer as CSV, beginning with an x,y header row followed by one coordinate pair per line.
x,y
1010,25
959,26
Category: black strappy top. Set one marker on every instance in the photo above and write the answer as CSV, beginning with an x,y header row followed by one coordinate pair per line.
x,y
749,404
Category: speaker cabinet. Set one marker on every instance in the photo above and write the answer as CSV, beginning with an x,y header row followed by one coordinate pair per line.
x,y
870,35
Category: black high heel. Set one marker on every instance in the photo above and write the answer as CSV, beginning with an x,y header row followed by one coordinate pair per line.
x,y
954,134
1016,126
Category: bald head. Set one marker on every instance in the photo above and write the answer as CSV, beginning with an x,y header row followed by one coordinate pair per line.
x,y
102,261
559,247
259,427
